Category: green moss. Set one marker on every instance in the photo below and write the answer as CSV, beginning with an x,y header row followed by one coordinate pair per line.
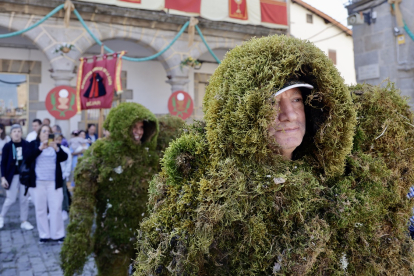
x,y
111,190
224,204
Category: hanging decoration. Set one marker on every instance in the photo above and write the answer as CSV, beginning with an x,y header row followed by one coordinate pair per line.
x,y
180,104
61,102
238,9
97,81
273,11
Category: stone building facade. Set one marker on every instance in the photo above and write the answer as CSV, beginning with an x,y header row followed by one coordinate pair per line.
x,y
380,50
140,32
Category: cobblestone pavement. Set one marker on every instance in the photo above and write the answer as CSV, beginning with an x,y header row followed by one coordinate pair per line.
x,y
20,252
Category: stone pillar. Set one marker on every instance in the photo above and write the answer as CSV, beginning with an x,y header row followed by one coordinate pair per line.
x,y
178,83
63,77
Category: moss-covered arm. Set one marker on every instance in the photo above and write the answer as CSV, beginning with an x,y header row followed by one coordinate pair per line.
x,y
78,242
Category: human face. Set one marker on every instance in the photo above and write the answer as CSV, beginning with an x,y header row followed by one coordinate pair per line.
x,y
92,130
54,129
289,125
44,134
46,121
138,131
58,140
16,135
82,134
35,126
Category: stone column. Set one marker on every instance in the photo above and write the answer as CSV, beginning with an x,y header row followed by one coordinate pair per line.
x,y
178,83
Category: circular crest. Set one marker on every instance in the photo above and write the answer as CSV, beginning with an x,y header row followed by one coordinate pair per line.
x,y
180,104
61,102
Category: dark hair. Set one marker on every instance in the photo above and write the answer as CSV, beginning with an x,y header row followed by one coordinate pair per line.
x,y
80,131
314,119
40,129
37,121
3,134
89,126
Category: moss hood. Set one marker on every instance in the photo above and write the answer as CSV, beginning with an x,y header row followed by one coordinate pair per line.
x,y
122,118
238,111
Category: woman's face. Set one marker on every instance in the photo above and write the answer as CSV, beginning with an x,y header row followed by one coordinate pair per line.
x,y
138,131
44,133
1,130
16,135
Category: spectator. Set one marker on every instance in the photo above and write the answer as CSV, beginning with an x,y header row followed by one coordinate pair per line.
x,y
46,121
91,133
78,144
3,138
32,135
66,170
13,154
58,130
46,184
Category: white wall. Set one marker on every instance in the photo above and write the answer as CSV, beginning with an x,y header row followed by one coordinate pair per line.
x,y
342,44
147,81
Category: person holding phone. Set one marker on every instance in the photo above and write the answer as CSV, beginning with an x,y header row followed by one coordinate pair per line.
x,y
13,154
46,182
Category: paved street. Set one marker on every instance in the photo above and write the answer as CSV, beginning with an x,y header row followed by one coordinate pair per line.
x,y
20,253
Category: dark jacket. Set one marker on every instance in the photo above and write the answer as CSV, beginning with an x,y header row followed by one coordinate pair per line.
x,y
33,153
87,136
8,164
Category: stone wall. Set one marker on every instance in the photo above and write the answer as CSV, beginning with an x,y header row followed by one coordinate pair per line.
x,y
378,55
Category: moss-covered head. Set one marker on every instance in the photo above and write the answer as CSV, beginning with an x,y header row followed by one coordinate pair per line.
x,y
238,108
122,119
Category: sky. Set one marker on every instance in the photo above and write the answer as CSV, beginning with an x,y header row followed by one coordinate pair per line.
x,y
333,8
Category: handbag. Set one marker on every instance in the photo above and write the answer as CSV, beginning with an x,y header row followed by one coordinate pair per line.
x,y
24,175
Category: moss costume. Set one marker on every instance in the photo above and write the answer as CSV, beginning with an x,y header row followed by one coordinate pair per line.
x,y
111,190
225,204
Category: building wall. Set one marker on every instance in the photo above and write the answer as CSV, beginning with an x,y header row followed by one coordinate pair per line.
x,y
342,44
376,47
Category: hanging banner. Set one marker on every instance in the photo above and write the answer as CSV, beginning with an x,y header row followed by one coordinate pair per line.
x,y
273,11
96,82
192,6
238,9
180,104
61,102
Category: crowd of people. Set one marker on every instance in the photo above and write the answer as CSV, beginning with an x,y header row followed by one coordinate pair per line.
x,y
49,160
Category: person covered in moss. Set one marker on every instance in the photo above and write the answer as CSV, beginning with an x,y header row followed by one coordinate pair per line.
x,y
277,181
111,191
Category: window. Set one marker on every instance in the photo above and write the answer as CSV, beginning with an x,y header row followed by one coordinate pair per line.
x,y
14,101
332,55
309,18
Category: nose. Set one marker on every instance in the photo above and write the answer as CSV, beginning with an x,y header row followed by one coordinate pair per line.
x,y
286,111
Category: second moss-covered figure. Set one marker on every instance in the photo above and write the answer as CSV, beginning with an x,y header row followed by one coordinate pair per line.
x,y
111,190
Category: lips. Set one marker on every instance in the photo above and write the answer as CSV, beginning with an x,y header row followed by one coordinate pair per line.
x,y
288,129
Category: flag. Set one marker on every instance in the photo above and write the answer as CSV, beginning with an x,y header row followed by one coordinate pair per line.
x,y
238,9
274,11
96,82
192,6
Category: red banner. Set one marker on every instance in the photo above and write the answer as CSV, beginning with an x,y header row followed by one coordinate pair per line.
x,y
96,82
131,1
192,6
238,9
274,11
